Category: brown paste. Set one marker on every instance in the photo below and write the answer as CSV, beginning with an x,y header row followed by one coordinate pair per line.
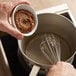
x,y
24,21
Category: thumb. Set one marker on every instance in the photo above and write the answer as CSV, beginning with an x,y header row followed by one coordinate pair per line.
x,y
6,27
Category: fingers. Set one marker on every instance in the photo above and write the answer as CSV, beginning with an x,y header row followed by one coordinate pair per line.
x,y
6,27
8,5
2,6
61,69
15,33
14,4
25,2
21,1
66,64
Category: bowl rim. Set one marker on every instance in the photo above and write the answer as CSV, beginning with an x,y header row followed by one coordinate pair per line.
x,y
18,7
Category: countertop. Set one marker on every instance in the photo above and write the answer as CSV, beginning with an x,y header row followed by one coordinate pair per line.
x,y
42,4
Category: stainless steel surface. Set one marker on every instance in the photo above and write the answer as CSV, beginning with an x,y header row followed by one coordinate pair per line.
x,y
57,24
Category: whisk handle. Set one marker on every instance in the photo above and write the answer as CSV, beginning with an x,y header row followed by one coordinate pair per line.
x,y
34,70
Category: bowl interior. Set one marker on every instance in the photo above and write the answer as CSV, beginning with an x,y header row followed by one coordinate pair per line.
x,y
51,23
31,10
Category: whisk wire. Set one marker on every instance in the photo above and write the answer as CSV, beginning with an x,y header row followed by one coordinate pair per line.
x,y
50,47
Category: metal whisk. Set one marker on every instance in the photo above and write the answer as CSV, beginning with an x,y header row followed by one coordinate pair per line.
x,y
50,47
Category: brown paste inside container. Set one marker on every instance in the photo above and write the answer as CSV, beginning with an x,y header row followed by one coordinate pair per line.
x,y
24,21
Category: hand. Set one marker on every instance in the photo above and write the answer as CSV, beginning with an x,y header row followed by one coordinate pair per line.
x,y
6,7
62,69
